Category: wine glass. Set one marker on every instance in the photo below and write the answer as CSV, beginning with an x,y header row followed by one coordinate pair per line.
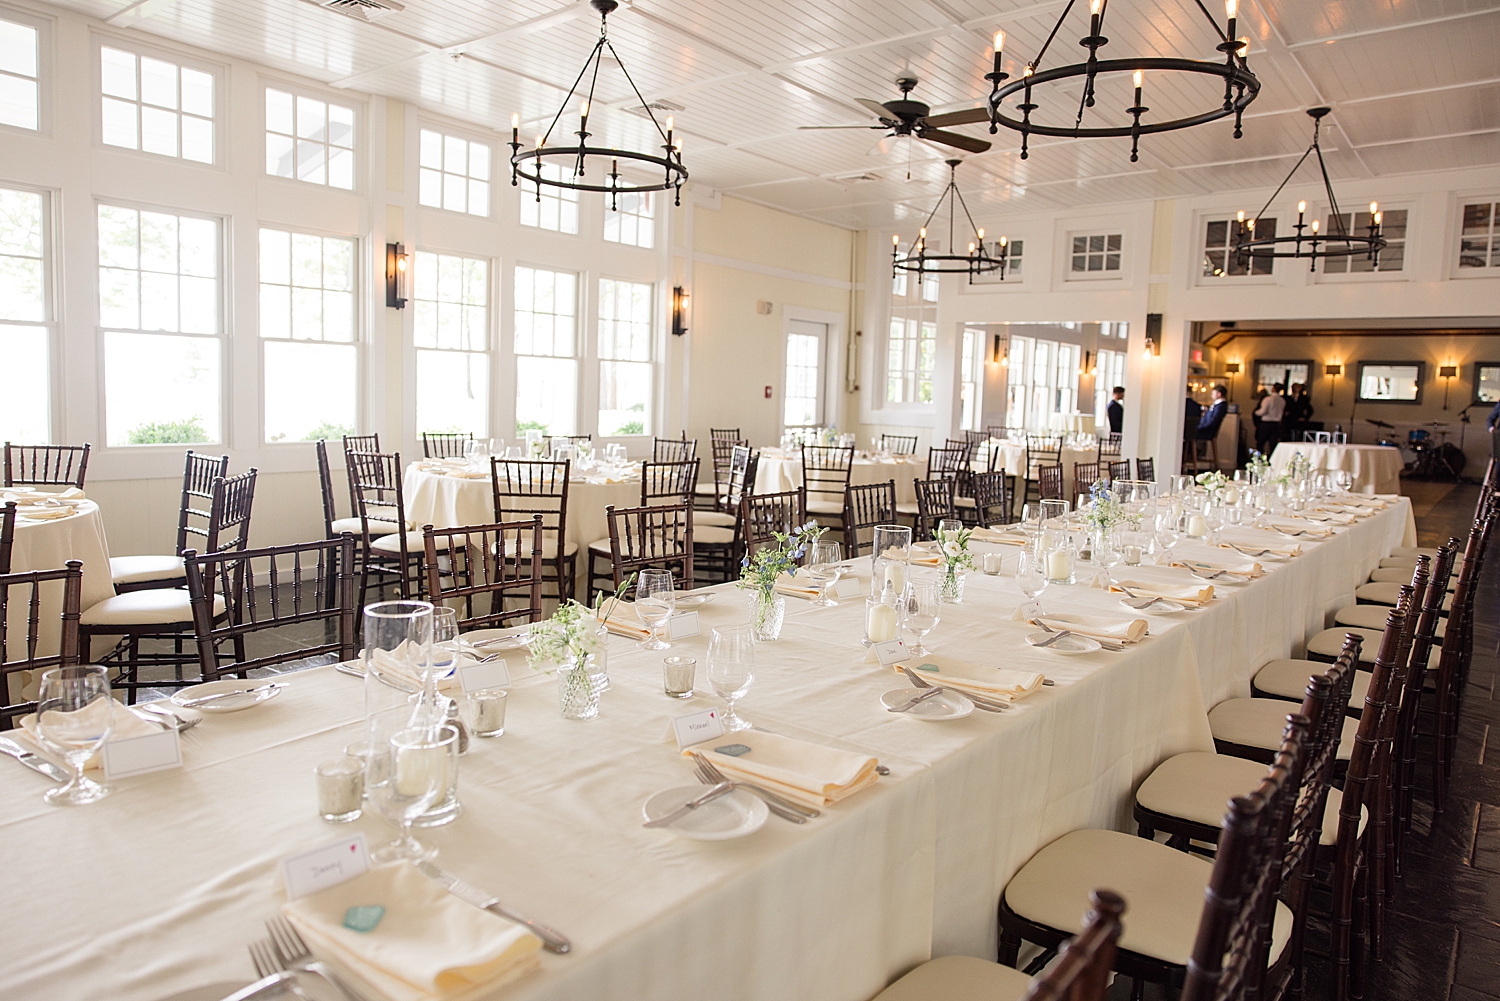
x,y
1168,534
946,525
405,774
74,717
823,569
920,611
1214,519
731,668
655,600
1109,550
445,644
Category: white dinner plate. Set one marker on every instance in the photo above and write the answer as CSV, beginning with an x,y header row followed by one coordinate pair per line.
x,y
208,992
490,640
228,685
694,599
731,816
945,705
1163,607
1070,644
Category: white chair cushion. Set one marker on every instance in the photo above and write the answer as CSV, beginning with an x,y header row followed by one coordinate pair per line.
x,y
392,543
354,527
908,508
711,535
1289,678
706,489
1330,642
958,978
1414,551
162,606
1385,593
600,546
549,546
1330,832
1401,575
718,519
824,505
1410,562
1373,617
1163,889
139,569
1261,723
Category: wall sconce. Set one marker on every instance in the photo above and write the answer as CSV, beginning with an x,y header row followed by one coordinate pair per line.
x,y
1447,373
1088,363
1152,348
1333,370
396,275
1231,369
679,311
997,353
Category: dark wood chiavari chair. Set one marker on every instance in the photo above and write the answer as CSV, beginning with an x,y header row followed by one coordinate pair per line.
x,y
674,449
899,444
722,452
445,444
1109,447
865,506
991,499
671,480
1422,652
549,442
718,536
20,652
651,537
7,534
1119,471
730,434
1041,449
1145,469
740,469
763,515
137,573
1049,480
489,562
975,438
236,594
380,500
523,487
46,465
1453,662
357,443
1085,475
935,501
825,477
333,525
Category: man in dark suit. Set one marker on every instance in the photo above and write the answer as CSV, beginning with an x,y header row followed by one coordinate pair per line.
x,y
1492,422
1208,423
1116,411
1192,414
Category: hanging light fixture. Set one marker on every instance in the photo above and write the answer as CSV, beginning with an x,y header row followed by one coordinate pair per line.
x,y
575,160
976,262
1308,242
1240,85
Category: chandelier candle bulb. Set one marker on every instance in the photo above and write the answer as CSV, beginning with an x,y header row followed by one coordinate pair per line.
x,y
1231,10
515,130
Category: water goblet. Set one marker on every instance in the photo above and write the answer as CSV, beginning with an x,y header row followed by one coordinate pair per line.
x,y
947,525
404,776
1109,550
1031,574
731,669
655,600
445,644
397,641
74,717
823,569
1168,534
921,611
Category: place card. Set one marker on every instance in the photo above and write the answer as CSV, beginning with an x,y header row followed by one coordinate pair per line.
x,y
848,587
682,625
478,677
890,652
151,752
1028,611
695,728
323,867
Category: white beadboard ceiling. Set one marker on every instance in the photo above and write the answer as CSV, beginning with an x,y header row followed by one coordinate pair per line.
x,y
1414,84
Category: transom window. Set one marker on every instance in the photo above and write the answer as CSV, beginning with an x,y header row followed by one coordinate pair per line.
x,y
159,107
1014,256
1479,243
632,221
1392,258
160,314
1219,257
1096,255
546,206
19,95
625,352
24,335
308,331
452,296
309,140
454,174
546,343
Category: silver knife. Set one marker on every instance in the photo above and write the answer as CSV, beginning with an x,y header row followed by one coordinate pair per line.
x,y
552,940
916,700
722,789
33,761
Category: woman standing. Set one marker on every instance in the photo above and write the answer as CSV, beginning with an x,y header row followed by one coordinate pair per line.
x,y
1268,419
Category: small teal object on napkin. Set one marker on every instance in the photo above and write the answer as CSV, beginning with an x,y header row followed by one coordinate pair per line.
x,y
933,668
363,919
733,750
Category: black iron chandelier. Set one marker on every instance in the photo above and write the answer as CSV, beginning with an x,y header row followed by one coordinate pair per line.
x,y
1240,85
976,262
527,164
1307,242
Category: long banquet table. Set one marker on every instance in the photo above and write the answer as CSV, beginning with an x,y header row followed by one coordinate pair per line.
x,y
159,887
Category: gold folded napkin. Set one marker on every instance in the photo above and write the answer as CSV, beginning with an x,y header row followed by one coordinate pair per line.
x,y
1187,594
811,774
621,618
125,724
1102,627
428,944
1287,551
1245,569
1325,516
404,669
924,558
797,587
469,474
1000,536
996,683
1308,528
597,480
37,512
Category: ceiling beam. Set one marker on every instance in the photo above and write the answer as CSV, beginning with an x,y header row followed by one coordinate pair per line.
x,y
1388,28
1420,139
1423,91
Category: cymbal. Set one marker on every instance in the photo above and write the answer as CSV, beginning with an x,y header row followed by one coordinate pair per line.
x,y
1379,424
1437,424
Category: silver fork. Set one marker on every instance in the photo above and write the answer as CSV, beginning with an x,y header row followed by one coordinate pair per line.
x,y
295,955
166,717
783,808
979,703
1106,644
267,965
1138,604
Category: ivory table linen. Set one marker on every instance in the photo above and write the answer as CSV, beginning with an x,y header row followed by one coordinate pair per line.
x,y
1376,468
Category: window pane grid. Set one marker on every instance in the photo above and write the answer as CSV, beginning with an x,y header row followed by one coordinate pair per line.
x,y
801,403
309,140
1392,227
453,173
451,296
25,405
546,349
19,94
156,106
632,221
1479,243
548,207
1095,254
1219,257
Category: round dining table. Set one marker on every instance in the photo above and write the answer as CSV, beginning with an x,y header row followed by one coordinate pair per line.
x,y
1012,459
780,471
1376,468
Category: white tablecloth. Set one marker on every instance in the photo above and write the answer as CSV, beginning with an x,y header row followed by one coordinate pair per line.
x,y
1376,468
1013,460
48,545
779,471
831,910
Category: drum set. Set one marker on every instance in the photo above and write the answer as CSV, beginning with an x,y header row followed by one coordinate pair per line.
x,y
1431,457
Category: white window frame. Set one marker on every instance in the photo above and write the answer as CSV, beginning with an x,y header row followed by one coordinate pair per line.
x,y
183,60
833,349
972,355
1455,245
591,360
340,97
467,135
991,281
641,220
1202,221
44,71
528,194
1103,230
1409,243
50,326
585,344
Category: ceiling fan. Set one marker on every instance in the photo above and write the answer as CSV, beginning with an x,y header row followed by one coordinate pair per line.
x,y
909,118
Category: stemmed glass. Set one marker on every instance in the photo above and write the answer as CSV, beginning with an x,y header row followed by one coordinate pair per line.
x,y
920,611
731,668
823,569
1108,551
444,658
74,717
1031,574
655,600
404,776
1214,518
1168,533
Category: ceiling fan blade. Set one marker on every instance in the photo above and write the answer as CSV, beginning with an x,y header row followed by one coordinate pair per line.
x,y
804,128
969,116
875,108
955,139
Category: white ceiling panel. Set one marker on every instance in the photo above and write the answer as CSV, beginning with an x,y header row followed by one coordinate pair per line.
x,y
1416,157
1429,55
1302,21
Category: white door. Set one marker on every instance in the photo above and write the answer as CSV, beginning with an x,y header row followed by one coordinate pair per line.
x,y
806,347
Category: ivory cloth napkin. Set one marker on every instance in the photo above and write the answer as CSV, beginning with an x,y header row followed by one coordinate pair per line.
x,y
805,773
124,725
623,620
401,664
996,683
787,584
1106,627
1000,536
1188,593
429,944
1247,569
1288,551
1308,528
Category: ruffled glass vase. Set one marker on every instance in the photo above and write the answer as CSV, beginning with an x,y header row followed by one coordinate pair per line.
x,y
578,689
952,588
767,610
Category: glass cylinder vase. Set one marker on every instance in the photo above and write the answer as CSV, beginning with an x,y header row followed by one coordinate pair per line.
x,y
952,588
767,610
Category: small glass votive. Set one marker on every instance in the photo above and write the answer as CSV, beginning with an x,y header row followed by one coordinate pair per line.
x,y
994,563
677,676
486,712
1132,556
359,751
341,789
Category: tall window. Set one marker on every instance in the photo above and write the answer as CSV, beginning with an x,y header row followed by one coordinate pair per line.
x,y
625,366
1479,244
156,106
19,96
1021,351
1392,227
1219,257
1109,373
159,311
26,401
1065,388
971,379
452,337
1043,382
453,174
547,206
309,140
633,221
546,350
802,404
911,356
307,329
1096,255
